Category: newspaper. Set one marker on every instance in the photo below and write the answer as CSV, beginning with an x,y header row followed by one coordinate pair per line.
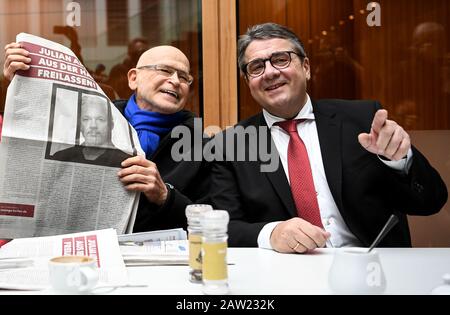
x,y
156,253
155,248
101,245
59,157
152,236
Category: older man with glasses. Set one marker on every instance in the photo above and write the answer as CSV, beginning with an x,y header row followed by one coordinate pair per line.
x,y
161,83
345,167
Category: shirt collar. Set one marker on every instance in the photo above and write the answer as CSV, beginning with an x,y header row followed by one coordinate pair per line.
x,y
305,113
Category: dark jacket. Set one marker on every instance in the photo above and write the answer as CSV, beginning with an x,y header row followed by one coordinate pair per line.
x,y
365,190
190,181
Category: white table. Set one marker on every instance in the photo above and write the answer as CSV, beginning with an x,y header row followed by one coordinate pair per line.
x,y
264,272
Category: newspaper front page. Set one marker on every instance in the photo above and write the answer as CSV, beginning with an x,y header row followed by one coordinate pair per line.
x,y
62,144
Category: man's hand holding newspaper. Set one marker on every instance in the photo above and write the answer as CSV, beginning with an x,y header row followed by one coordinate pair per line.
x,y
62,144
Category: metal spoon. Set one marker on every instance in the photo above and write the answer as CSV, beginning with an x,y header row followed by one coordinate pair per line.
x,y
393,220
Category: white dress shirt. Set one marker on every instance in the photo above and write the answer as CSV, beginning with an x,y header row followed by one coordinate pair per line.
x,y
329,213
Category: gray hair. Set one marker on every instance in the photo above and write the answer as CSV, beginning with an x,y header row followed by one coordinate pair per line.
x,y
267,31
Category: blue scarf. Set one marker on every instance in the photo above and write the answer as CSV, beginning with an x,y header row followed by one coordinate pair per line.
x,y
150,126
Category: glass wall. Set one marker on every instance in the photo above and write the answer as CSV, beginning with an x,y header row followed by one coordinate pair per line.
x,y
111,35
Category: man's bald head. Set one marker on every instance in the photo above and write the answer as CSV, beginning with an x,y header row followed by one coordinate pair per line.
x,y
159,80
156,54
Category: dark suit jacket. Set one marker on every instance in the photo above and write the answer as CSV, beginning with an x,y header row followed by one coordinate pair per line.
x,y
365,190
190,180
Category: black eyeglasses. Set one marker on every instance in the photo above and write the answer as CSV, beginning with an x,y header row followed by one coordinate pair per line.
x,y
279,60
168,71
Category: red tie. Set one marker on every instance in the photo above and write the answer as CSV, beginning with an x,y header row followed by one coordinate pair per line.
x,y
300,175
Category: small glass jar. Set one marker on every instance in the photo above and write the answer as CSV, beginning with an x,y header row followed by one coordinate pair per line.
x,y
193,215
214,252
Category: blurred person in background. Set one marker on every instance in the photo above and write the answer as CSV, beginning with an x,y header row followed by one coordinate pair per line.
x,y
118,76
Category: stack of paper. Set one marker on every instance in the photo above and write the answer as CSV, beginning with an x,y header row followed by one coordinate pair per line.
x,y
152,236
156,253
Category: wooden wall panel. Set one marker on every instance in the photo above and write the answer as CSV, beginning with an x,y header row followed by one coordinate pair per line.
x,y
433,231
228,64
219,64
251,12
211,57
187,40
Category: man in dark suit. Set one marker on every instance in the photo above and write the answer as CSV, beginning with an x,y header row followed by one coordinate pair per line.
x,y
362,167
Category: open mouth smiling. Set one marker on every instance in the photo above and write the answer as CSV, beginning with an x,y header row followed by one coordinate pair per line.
x,y
171,93
274,86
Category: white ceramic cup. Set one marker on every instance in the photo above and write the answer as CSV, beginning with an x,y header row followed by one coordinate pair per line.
x,y
73,274
354,271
